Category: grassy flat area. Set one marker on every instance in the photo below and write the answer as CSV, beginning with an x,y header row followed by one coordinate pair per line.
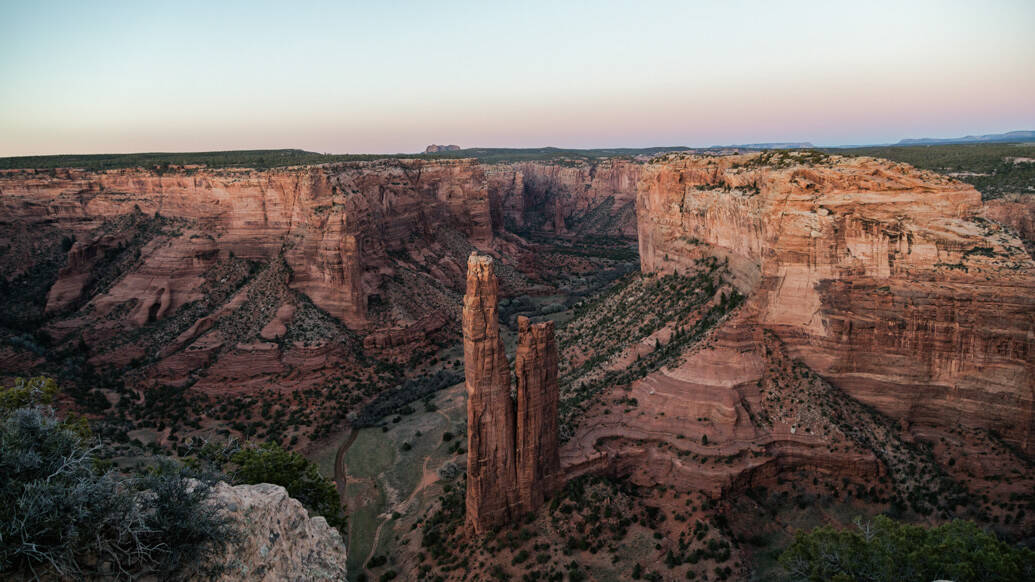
x,y
325,451
389,486
366,503
371,454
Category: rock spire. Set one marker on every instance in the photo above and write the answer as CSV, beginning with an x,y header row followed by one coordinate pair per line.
x,y
491,468
535,364
512,455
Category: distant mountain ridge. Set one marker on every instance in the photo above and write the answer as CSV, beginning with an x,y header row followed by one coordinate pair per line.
x,y
775,145
280,158
1010,136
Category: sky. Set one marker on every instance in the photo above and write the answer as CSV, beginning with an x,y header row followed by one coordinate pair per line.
x,y
391,76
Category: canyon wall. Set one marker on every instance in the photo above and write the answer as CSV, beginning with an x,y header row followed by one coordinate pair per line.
x,y
223,279
1016,212
335,225
880,277
512,453
583,198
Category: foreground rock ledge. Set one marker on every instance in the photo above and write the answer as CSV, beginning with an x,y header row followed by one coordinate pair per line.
x,y
279,541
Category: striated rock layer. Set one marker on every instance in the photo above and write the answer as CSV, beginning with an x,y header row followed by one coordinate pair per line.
x,y
513,462
335,225
535,364
880,277
491,461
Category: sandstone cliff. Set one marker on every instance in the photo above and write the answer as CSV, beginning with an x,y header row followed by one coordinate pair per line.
x,y
880,277
278,540
335,225
594,198
1016,212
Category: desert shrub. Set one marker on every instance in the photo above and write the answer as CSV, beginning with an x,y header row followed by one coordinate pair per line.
x,y
397,399
27,392
889,550
376,562
60,515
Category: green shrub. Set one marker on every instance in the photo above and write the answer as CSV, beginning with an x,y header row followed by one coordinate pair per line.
x,y
270,463
27,392
889,550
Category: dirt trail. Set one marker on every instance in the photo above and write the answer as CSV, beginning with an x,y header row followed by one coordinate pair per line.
x,y
426,480
428,477
339,464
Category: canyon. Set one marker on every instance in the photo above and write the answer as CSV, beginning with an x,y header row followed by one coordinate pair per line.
x,y
864,328
807,325
341,229
232,283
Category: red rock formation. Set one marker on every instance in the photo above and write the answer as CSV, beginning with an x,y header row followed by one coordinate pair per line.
x,y
74,276
513,462
876,275
535,364
1016,212
335,223
491,460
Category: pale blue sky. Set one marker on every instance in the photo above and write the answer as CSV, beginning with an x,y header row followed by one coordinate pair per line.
x,y
106,76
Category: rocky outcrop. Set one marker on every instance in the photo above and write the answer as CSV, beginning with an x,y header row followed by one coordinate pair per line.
x,y
1017,212
278,540
491,459
535,365
512,454
880,277
435,148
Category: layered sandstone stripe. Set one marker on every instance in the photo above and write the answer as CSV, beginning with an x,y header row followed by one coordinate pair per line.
x,y
491,467
881,277
337,225
535,363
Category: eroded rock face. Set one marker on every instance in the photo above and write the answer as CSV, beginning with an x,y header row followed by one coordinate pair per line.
x,y
535,364
334,224
576,198
1016,212
877,275
278,541
491,459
